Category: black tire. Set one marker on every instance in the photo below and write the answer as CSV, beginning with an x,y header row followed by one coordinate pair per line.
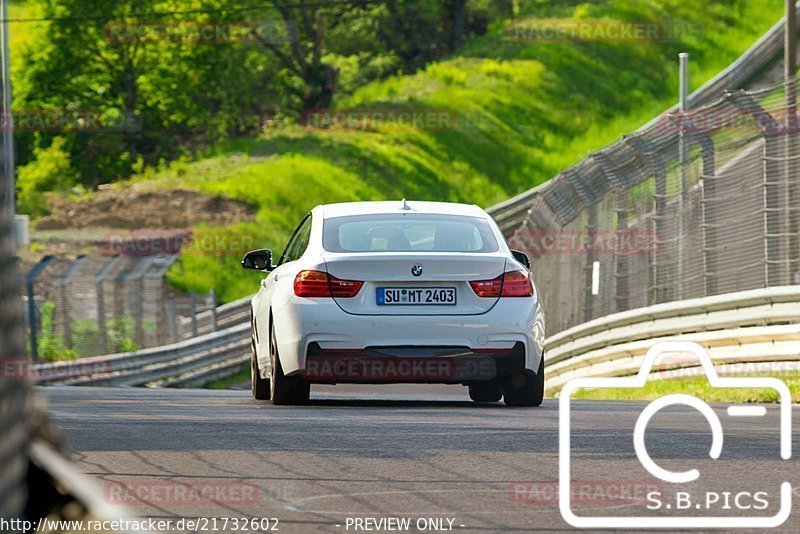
x,y
285,390
486,391
525,389
260,386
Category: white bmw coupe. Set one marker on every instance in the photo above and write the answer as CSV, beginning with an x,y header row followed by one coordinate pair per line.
x,y
397,292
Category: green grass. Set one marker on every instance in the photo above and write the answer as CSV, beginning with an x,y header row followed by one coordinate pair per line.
x,y
696,386
242,375
536,108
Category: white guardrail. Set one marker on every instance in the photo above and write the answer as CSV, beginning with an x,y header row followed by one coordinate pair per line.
x,y
225,316
739,329
743,331
188,363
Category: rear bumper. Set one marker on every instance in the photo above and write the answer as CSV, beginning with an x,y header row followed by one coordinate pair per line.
x,y
412,364
304,326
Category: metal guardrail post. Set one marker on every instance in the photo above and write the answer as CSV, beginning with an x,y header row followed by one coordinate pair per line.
x,y
30,279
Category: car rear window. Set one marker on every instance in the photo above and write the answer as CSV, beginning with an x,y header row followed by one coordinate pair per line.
x,y
408,233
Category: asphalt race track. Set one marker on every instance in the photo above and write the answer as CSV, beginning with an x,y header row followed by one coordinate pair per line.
x,y
419,454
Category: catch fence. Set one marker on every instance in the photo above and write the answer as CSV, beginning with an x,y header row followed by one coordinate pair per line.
x,y
97,304
695,204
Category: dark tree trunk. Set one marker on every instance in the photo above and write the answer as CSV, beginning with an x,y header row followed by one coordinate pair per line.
x,y
320,86
457,13
505,8
130,97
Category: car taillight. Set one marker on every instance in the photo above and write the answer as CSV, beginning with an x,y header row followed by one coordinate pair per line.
x,y
517,284
488,288
344,288
510,284
320,284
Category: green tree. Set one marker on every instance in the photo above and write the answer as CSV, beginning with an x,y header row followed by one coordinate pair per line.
x,y
49,171
156,97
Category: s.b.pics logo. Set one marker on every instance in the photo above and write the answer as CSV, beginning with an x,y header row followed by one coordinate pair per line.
x,y
719,465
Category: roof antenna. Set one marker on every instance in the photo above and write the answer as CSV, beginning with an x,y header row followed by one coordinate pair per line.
x,y
405,206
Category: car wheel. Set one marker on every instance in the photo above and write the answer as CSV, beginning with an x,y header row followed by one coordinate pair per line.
x,y
260,386
525,389
486,391
285,389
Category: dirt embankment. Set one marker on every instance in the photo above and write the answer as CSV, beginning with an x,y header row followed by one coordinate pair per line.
x,y
134,209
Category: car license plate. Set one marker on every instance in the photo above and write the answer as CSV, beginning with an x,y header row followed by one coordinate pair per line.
x,y
424,296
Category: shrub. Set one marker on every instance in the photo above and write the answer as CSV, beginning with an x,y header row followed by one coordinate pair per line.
x,y
49,171
51,345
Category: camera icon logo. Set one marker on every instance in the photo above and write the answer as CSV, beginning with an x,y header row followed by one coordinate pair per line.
x,y
675,477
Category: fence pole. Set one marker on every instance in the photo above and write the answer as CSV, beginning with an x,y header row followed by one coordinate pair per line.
x,y
772,209
212,298
588,298
657,265
99,279
772,131
790,80
161,265
683,156
64,281
136,296
173,318
138,309
708,208
30,279
621,267
15,394
193,311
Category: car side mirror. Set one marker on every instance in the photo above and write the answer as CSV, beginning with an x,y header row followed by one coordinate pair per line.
x,y
522,258
258,260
